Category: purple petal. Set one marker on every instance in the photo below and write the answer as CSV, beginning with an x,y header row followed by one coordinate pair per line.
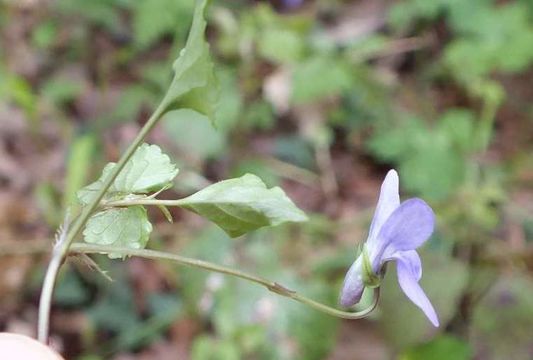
x,y
292,4
389,200
408,270
353,285
411,257
408,227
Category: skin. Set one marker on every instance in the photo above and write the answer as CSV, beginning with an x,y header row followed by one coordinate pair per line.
x,y
21,347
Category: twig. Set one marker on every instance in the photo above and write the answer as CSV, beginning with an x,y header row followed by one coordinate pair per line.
x,y
328,178
292,172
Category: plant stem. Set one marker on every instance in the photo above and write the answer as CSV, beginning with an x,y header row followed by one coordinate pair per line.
x,y
486,125
62,247
144,201
270,285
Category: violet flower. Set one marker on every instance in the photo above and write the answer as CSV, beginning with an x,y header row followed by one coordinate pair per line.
x,y
292,4
397,230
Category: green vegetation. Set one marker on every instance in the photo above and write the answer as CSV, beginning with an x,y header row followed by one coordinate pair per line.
x,y
320,100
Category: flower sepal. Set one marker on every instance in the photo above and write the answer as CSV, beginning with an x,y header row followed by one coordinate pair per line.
x,y
370,279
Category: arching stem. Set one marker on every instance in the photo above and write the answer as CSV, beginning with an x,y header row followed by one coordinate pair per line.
x,y
270,285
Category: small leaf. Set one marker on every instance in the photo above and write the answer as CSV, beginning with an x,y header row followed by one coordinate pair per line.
x,y
165,212
121,227
79,163
194,85
147,170
243,204
87,261
88,193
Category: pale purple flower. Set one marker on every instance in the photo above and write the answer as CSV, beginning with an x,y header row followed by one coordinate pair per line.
x,y
292,4
397,230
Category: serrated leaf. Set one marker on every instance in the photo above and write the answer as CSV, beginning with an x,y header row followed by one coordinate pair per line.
x,y
121,227
243,204
88,193
147,170
194,85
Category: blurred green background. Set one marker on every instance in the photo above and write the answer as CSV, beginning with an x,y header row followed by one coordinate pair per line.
x,y
321,97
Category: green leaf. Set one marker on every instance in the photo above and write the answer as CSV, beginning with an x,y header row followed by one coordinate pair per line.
x,y
61,89
401,14
210,244
44,34
458,126
79,162
243,204
193,134
121,227
320,77
230,102
104,13
251,317
88,193
435,172
164,310
147,170
71,291
194,85
432,161
441,348
154,18
502,321
208,348
114,309
280,45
